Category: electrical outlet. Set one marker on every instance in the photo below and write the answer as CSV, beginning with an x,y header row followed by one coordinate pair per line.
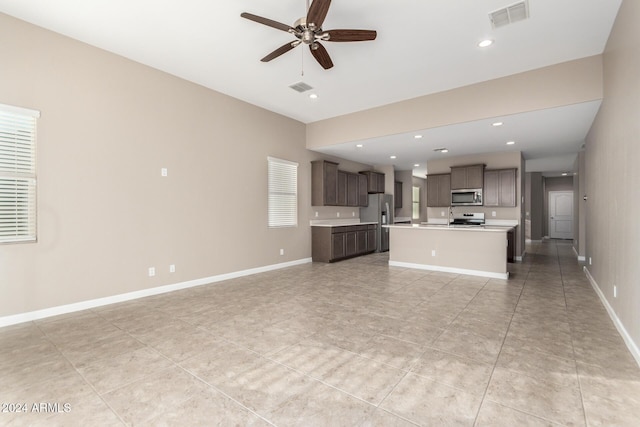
x,y
433,252
493,213
589,260
172,268
281,251
441,213
615,291
152,271
338,214
316,214
353,214
164,172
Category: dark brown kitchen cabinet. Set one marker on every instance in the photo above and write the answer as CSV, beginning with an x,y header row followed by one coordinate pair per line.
x,y
397,194
342,188
333,187
363,190
500,188
352,189
438,190
330,244
375,181
324,183
372,238
467,177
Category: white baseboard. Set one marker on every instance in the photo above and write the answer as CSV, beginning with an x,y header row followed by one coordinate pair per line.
x,y
84,305
580,258
450,270
631,345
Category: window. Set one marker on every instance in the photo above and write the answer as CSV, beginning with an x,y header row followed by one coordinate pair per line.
x,y
283,193
416,203
17,174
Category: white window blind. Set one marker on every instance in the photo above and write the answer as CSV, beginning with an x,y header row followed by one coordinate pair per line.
x,y
283,193
17,174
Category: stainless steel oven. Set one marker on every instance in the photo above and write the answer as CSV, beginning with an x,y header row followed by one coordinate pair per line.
x,y
466,197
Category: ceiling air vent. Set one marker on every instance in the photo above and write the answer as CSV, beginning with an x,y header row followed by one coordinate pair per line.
x,y
300,87
510,14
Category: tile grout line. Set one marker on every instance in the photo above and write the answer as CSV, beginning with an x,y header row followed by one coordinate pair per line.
x,y
573,349
495,363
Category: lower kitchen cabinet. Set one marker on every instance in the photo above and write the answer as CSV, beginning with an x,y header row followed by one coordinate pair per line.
x,y
330,244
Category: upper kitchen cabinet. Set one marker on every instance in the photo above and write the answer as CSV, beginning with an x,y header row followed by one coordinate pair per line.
x,y
397,194
342,188
363,190
376,181
438,190
324,183
500,188
333,187
467,177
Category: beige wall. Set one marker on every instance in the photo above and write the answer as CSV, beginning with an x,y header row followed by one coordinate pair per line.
x,y
613,175
534,205
406,178
108,126
557,85
579,189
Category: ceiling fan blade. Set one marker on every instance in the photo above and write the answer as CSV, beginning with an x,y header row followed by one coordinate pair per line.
x,y
279,51
321,55
317,12
350,35
266,21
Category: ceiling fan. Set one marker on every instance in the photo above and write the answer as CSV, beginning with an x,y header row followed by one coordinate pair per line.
x,y
308,30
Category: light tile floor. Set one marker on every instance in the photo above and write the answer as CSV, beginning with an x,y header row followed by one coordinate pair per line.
x,y
356,343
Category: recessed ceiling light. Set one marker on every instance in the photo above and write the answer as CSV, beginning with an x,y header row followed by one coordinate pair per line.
x,y
496,124
313,96
417,136
511,142
564,174
392,157
359,145
441,150
416,165
485,43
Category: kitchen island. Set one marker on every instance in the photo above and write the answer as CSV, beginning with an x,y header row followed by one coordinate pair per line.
x,y
474,250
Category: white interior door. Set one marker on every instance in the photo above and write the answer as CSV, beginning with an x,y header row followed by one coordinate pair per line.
x,y
561,214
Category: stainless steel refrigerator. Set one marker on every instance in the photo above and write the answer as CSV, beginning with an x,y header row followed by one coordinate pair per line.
x,y
380,210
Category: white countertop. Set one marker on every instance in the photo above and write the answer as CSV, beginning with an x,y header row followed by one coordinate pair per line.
x,y
337,222
483,228
402,219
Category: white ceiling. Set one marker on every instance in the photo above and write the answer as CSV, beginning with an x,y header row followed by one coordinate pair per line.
x,y
422,47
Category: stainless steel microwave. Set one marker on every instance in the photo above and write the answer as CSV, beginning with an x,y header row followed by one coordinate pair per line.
x,y
466,197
